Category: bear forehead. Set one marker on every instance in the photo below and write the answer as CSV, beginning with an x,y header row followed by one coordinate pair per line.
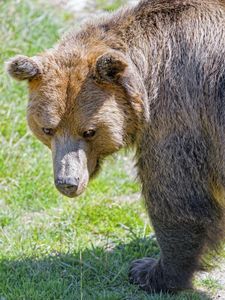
x,y
53,94
57,79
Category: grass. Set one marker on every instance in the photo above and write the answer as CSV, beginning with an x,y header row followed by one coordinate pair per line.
x,y
109,5
52,247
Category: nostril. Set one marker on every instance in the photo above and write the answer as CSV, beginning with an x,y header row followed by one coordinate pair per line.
x,y
67,183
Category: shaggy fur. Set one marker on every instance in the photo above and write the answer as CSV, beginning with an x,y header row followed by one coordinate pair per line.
x,y
150,76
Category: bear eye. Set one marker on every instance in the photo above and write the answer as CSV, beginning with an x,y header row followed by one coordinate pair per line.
x,y
47,131
89,133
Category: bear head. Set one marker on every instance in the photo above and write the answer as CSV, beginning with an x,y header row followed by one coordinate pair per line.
x,y
83,104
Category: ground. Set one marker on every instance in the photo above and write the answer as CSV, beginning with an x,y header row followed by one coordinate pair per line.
x,y
52,247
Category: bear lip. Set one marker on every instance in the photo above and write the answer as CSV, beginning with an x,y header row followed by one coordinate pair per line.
x,y
69,194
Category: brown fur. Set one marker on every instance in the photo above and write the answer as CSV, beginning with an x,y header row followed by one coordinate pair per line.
x,y
150,76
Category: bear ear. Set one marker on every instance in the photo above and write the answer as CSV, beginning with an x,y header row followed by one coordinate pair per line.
x,y
22,67
110,67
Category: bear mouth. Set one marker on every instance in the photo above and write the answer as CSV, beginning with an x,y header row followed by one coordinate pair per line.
x,y
71,192
96,170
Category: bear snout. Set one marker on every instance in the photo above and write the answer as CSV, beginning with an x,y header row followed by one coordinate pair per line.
x,y
68,186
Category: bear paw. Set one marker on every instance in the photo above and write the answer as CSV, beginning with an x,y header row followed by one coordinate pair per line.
x,y
147,274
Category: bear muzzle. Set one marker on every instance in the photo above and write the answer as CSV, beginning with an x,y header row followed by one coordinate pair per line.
x,y
71,173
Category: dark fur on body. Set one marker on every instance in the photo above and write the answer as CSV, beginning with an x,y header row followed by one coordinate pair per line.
x,y
181,154
166,66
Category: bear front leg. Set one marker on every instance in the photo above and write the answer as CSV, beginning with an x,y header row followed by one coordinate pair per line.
x,y
175,175
181,247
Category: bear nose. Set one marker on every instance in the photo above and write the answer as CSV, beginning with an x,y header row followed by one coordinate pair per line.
x,y
68,183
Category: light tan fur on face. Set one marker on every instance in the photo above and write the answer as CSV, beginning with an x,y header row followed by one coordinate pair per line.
x,y
70,97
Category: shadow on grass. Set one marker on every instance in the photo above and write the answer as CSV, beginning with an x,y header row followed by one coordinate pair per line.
x,y
97,273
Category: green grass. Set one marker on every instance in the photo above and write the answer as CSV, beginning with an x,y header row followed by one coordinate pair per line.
x,y
109,5
52,247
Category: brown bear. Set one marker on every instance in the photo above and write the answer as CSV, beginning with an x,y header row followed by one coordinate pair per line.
x,y
151,76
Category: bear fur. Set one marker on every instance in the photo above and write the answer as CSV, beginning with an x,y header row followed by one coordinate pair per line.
x,y
150,76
